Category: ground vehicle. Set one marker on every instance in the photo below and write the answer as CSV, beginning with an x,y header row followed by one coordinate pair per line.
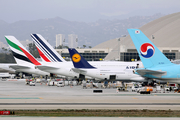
x,y
167,88
32,83
170,87
52,83
60,84
138,89
28,81
174,88
145,90
134,88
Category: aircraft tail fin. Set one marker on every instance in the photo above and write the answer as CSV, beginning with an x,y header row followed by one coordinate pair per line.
x,y
21,55
78,60
150,55
46,51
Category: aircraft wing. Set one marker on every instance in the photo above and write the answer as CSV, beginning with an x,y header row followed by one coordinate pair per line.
x,y
79,70
6,69
152,72
19,67
44,67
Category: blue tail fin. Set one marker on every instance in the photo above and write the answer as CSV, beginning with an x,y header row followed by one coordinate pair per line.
x,y
150,55
78,60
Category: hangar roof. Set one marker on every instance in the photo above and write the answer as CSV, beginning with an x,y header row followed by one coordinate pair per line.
x,y
166,31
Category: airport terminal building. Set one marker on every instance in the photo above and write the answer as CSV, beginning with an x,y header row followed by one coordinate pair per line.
x,y
163,32
88,54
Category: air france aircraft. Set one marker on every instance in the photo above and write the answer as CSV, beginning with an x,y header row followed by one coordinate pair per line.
x,y
156,64
54,63
103,73
25,61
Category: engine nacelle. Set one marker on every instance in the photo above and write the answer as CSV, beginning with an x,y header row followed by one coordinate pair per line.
x,y
81,77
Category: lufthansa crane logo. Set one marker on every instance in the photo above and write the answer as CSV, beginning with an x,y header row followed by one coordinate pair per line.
x,y
76,58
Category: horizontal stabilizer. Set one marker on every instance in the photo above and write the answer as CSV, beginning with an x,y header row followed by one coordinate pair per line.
x,y
152,72
44,67
19,67
79,70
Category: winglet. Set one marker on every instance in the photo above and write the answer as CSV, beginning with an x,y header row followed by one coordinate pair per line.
x,y
78,60
150,55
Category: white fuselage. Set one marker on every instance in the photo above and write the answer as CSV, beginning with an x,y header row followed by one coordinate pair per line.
x,y
119,75
33,71
27,67
59,68
6,75
120,71
4,67
102,71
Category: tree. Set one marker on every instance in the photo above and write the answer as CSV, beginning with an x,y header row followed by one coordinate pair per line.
x,y
6,57
66,47
84,46
59,47
90,47
4,50
33,50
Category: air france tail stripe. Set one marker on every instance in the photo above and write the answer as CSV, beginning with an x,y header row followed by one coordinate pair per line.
x,y
42,55
46,53
48,49
43,48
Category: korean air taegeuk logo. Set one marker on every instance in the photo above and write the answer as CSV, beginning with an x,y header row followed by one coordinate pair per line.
x,y
76,58
147,50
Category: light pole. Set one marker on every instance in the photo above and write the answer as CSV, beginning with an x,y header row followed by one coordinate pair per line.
x,y
76,42
63,43
119,49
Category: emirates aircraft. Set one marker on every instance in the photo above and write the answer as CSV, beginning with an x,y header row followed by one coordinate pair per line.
x,y
25,61
108,70
5,67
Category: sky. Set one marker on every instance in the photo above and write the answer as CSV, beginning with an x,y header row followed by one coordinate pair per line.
x,y
83,10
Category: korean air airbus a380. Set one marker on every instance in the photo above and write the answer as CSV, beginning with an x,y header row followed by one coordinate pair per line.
x,y
156,64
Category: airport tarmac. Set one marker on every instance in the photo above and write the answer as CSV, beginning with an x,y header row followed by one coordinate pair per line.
x,y
17,95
